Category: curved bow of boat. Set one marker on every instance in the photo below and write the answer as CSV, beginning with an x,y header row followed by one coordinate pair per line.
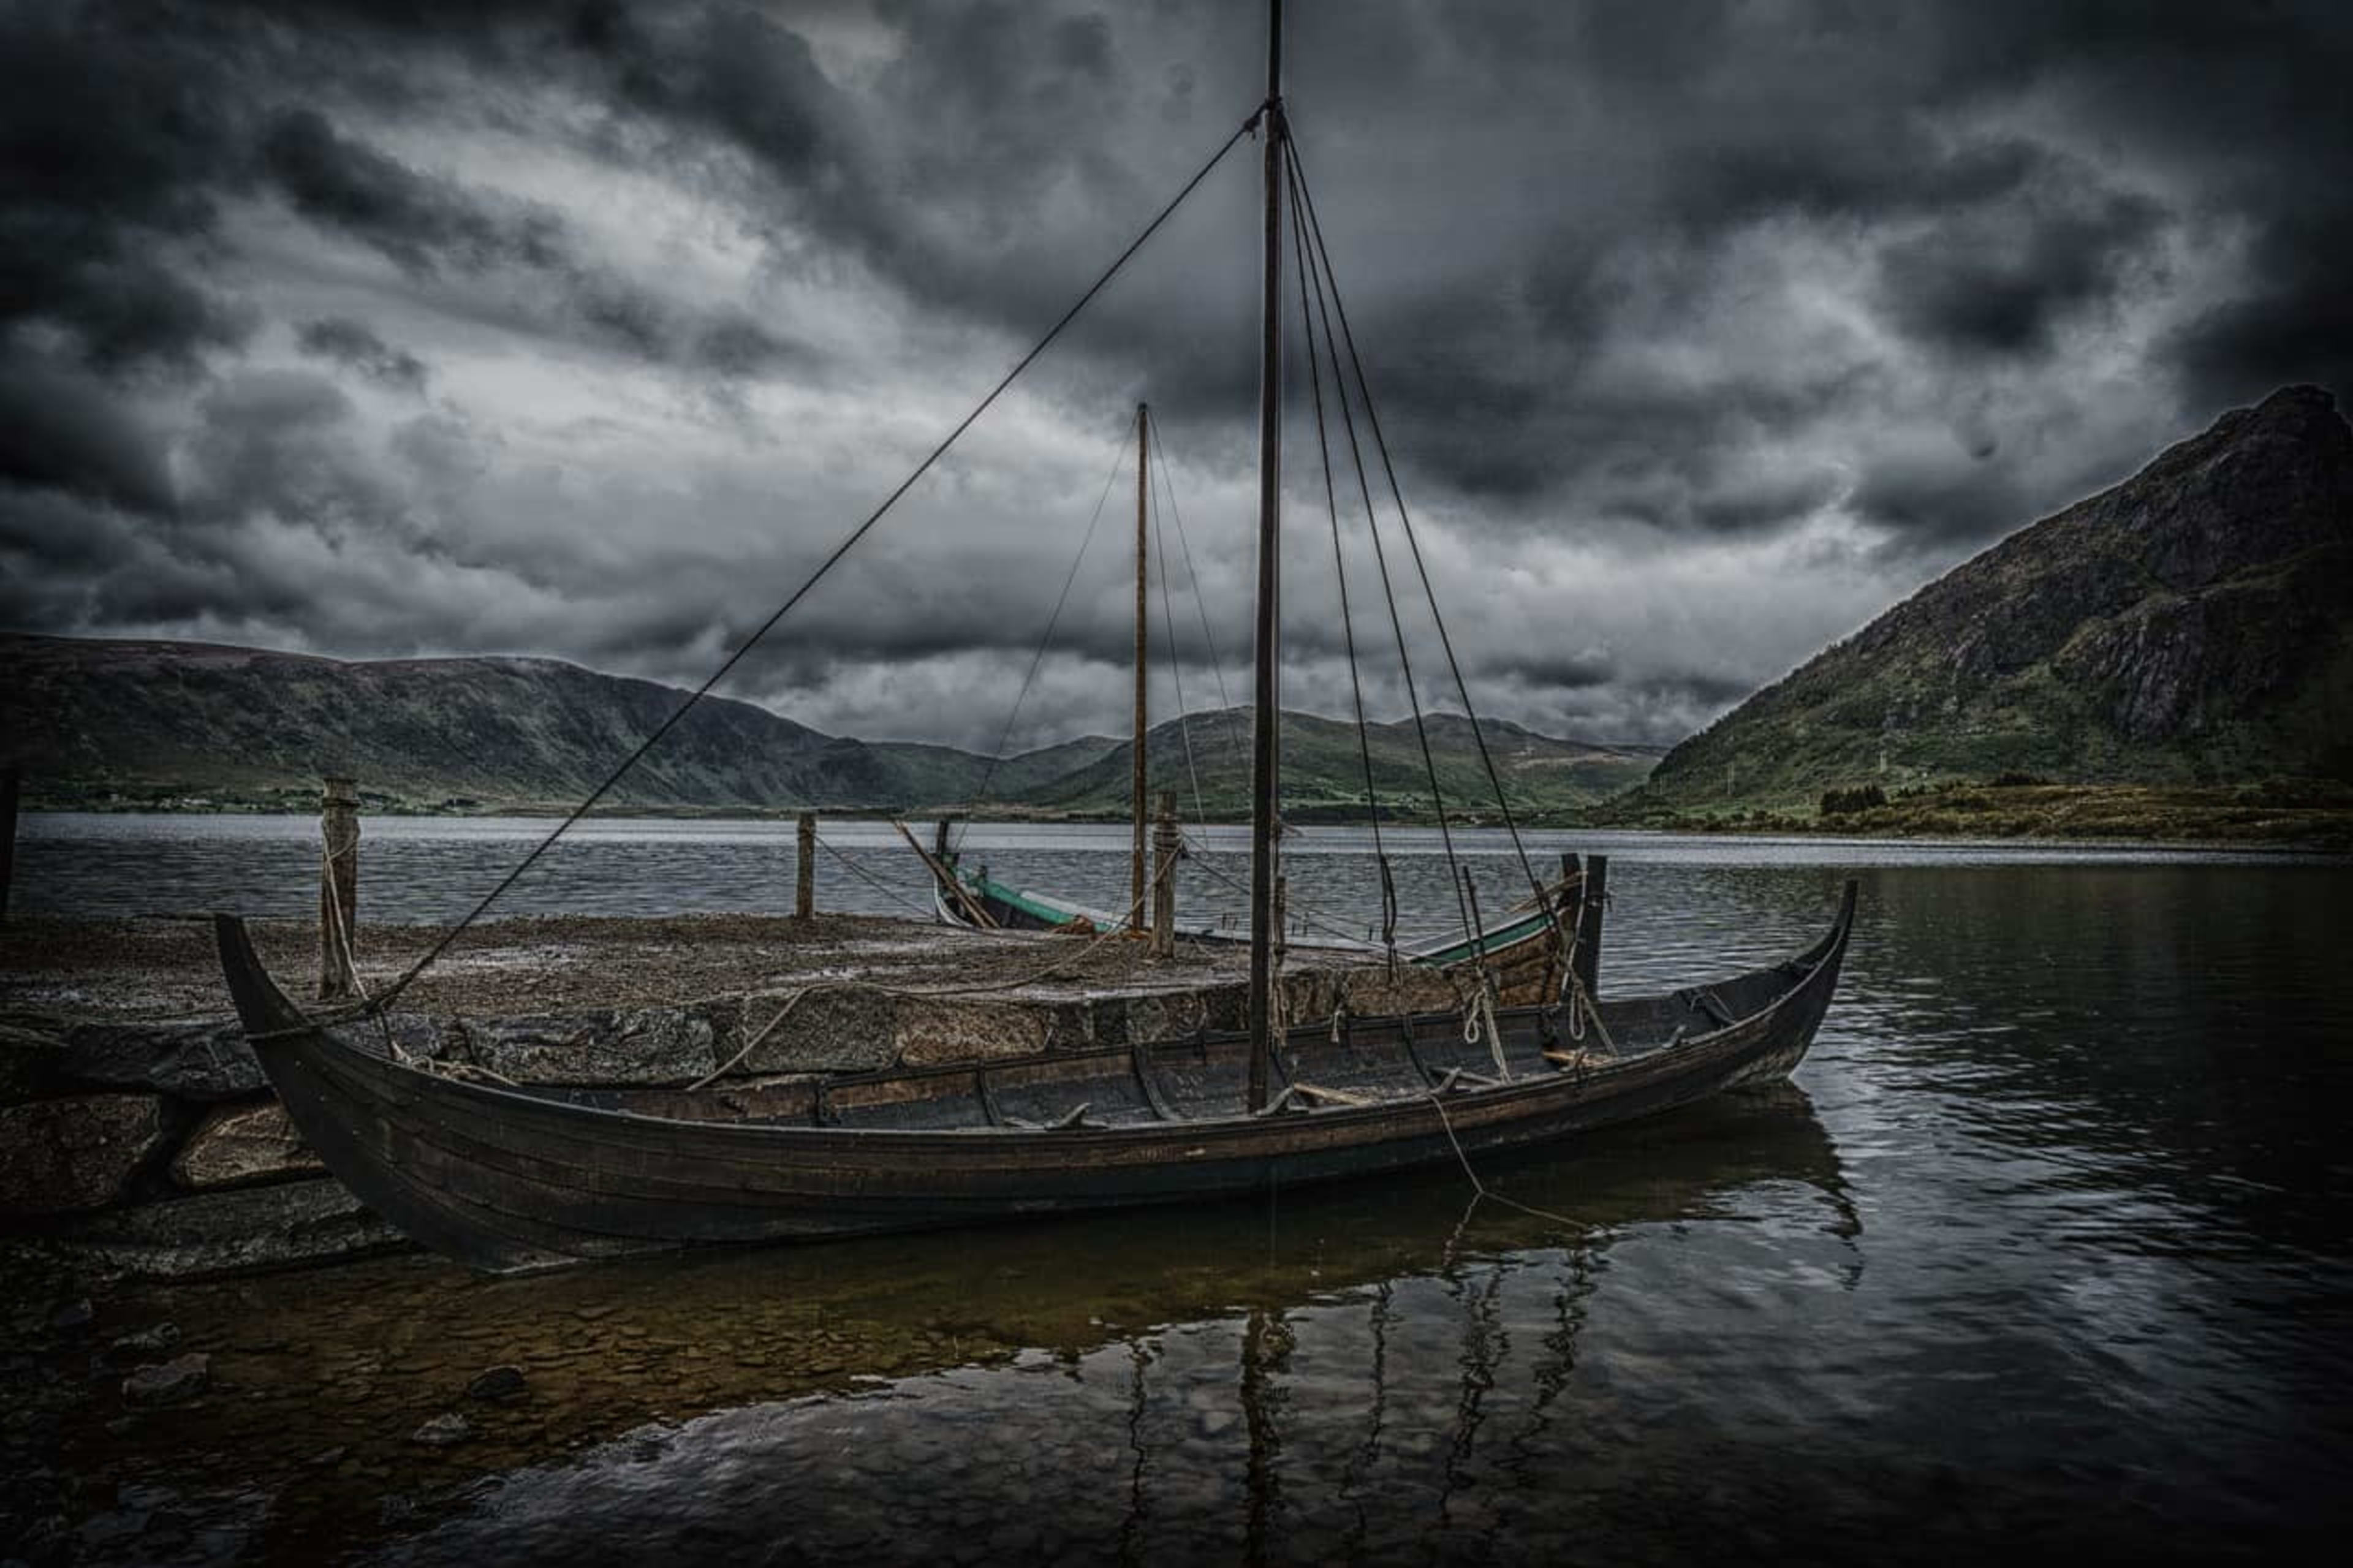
x,y
364,1149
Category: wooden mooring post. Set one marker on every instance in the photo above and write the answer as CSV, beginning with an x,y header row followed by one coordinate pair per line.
x,y
805,869
339,889
1166,849
1596,900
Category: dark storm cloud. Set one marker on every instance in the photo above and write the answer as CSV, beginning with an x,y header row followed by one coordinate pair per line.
x,y
350,343
2001,286
430,225
64,430
1706,282
423,224
112,153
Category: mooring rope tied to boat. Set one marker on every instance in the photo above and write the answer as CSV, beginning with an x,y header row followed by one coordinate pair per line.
x,y
754,1044
1478,1188
1305,204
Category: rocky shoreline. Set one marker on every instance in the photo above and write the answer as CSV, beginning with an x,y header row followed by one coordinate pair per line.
x,y
139,1135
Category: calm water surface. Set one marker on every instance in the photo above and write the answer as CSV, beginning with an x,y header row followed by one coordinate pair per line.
x,y
2051,1247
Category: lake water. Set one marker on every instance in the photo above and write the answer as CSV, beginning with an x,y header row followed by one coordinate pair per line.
x,y
2048,1248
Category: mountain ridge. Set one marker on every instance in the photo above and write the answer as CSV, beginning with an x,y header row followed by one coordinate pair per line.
x,y
2186,625
130,722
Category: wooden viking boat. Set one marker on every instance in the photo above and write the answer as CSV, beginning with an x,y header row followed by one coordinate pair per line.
x,y
505,1178
511,1178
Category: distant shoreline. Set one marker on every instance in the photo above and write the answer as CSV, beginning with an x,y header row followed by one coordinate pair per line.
x,y
2289,818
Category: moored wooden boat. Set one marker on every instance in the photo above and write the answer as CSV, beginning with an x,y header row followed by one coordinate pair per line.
x,y
1521,950
503,1178
506,1178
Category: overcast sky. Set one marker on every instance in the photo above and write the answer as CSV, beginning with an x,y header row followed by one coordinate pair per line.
x,y
1703,333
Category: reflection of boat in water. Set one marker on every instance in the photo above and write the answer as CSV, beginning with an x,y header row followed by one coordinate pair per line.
x,y
1370,1340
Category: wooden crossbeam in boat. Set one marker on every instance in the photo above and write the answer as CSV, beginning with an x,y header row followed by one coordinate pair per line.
x,y
1333,1096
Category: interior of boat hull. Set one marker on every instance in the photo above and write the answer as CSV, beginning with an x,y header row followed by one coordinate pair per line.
x,y
1204,1076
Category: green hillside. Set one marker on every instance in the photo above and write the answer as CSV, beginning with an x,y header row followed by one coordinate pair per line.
x,y
1323,770
2186,627
118,724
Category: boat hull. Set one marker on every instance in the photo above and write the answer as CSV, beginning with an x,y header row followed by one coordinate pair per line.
x,y
503,1179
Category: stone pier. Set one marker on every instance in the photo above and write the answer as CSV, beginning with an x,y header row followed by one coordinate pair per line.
x,y
136,1125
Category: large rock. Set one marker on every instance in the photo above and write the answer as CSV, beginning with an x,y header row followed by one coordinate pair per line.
x,y
188,1059
599,1045
30,1056
415,1034
229,1232
834,1028
242,1144
931,1030
62,1156
169,1382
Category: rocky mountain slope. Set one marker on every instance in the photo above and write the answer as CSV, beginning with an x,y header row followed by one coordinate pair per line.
x,y
115,723
140,720
2193,625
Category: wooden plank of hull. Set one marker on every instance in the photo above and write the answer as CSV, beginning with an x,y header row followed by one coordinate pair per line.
x,y
506,1179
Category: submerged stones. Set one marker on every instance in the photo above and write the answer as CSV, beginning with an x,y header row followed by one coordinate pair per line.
x,y
446,1430
498,1384
169,1382
223,1232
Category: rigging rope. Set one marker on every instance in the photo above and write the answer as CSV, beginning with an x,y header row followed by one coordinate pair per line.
x,y
1388,591
1305,200
1201,603
1004,736
387,999
1176,661
1340,571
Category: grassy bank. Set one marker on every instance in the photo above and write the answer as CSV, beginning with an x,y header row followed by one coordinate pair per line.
x,y
2282,813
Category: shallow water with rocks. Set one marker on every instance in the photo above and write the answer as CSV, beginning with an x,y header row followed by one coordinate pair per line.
x,y
2050,1247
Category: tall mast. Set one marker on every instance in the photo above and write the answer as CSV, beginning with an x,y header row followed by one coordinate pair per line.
x,y
1265,737
1136,911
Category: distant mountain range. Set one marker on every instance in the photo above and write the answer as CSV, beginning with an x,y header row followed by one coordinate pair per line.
x,y
2191,626
119,723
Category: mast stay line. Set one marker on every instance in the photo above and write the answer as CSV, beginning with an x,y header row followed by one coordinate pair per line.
x,y
383,999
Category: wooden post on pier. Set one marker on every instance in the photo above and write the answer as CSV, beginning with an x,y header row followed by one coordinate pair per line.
x,y
1167,846
9,781
805,869
1595,900
1569,908
339,887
